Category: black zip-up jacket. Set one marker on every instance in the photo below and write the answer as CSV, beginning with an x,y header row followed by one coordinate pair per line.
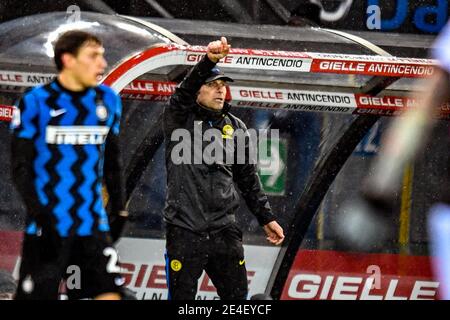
x,y
202,197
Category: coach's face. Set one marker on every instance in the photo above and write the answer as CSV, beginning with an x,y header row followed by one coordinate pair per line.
x,y
88,66
212,94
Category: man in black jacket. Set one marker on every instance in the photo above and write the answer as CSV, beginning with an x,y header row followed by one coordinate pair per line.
x,y
201,197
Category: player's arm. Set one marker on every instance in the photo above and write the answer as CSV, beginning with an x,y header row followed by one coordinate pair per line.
x,y
22,151
246,177
407,134
114,178
365,221
24,130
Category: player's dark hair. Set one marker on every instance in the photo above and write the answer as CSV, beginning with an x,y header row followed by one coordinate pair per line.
x,y
71,42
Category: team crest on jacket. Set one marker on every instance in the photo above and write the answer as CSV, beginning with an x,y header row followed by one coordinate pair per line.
x,y
176,265
227,132
101,112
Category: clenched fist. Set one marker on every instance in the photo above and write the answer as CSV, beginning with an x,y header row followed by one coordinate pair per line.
x,y
218,49
274,233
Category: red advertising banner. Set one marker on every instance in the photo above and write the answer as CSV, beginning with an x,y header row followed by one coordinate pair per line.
x,y
333,275
6,113
374,68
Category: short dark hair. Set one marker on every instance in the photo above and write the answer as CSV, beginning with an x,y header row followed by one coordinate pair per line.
x,y
71,42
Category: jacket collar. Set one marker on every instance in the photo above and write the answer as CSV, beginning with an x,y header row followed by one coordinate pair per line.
x,y
207,113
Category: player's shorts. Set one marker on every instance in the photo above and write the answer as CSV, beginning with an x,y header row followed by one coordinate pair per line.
x,y
84,266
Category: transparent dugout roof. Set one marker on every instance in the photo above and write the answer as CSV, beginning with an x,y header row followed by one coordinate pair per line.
x,y
27,43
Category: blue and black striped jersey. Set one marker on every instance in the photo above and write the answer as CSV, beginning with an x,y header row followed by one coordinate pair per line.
x,y
69,130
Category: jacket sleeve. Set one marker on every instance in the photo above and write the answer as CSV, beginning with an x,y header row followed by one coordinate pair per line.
x,y
247,179
182,101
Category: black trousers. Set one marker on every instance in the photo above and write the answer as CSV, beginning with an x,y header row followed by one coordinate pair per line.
x,y
220,254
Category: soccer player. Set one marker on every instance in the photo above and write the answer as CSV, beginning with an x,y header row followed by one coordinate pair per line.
x,y
65,142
